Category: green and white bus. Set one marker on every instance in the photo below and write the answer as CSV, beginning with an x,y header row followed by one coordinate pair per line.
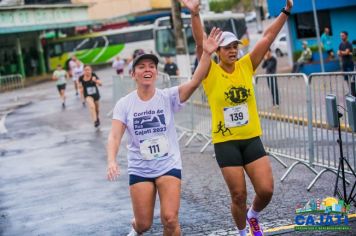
x,y
101,47
165,44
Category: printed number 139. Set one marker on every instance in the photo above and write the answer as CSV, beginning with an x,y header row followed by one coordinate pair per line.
x,y
237,116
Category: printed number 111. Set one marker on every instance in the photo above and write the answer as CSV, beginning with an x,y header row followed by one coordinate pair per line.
x,y
154,148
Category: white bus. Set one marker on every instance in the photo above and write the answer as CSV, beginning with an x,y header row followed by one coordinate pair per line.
x,y
164,34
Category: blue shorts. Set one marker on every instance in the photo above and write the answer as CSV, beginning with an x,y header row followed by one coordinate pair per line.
x,y
134,179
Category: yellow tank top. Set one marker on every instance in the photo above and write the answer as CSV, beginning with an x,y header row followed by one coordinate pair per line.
x,y
232,102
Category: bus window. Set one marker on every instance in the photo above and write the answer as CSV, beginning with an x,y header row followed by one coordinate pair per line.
x,y
116,39
240,26
55,50
166,43
224,25
138,36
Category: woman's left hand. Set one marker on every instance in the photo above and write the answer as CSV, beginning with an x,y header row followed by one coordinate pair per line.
x,y
289,5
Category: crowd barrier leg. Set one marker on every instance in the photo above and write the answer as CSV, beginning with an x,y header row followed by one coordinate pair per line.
x,y
190,139
205,146
277,159
294,165
319,175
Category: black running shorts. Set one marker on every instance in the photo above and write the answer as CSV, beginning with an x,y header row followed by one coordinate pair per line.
x,y
239,152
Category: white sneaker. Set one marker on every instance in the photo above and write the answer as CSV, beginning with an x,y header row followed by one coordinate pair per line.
x,y
133,233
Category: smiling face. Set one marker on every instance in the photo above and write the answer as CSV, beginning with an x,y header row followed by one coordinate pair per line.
x,y
229,53
145,72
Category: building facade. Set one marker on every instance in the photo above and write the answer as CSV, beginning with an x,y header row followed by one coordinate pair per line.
x,y
106,9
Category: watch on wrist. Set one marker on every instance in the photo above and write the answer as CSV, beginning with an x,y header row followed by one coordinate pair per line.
x,y
285,11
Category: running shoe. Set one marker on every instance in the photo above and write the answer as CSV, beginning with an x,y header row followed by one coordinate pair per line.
x,y
133,233
255,227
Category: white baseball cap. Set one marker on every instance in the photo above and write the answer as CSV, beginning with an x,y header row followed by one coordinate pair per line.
x,y
227,38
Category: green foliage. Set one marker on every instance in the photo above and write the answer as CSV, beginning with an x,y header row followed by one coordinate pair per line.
x,y
222,5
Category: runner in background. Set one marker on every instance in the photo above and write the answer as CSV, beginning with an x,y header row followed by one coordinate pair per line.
x,y
60,75
77,72
118,64
73,71
88,85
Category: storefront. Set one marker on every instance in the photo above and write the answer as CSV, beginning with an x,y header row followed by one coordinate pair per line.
x,y
23,30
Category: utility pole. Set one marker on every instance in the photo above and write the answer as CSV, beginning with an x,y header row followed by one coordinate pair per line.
x,y
318,36
182,55
258,16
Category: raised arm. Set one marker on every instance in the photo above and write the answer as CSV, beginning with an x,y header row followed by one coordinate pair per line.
x,y
269,35
197,27
114,141
210,44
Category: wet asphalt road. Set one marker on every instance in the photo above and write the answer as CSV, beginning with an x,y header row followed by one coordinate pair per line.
x,y
52,176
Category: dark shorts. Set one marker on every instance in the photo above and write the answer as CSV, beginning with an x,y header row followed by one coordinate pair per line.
x,y
61,87
239,152
96,97
134,179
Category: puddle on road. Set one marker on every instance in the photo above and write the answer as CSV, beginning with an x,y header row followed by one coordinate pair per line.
x,y
7,153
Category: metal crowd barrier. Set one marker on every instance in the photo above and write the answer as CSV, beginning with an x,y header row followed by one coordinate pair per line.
x,y
294,125
282,105
9,82
326,148
296,128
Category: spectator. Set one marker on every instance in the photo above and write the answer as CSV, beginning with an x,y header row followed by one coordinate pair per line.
x,y
345,54
270,64
170,67
305,57
118,64
327,43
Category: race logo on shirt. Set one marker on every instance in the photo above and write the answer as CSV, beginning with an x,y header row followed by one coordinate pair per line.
x,y
149,121
237,95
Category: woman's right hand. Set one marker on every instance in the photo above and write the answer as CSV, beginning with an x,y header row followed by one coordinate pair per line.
x,y
113,171
211,43
192,5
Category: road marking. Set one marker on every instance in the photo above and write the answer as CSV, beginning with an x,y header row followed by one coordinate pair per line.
x,y
3,129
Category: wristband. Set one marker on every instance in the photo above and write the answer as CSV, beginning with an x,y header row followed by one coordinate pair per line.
x,y
285,11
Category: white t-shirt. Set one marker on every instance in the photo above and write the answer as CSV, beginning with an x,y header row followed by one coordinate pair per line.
x,y
153,147
77,72
118,64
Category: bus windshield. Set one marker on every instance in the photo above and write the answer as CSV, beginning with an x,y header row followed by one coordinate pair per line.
x,y
165,44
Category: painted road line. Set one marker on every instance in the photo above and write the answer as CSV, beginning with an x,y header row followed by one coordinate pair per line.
x,y
3,129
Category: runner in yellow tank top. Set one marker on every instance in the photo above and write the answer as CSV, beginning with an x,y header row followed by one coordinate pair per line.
x,y
232,103
236,127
